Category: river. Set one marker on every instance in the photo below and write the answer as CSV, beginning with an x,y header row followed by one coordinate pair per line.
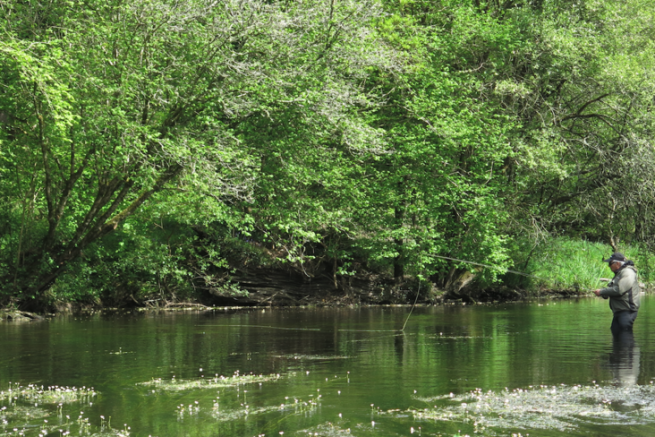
x,y
541,369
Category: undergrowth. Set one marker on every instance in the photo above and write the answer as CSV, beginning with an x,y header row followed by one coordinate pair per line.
x,y
567,264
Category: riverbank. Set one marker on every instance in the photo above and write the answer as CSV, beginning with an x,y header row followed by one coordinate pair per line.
x,y
275,298
255,277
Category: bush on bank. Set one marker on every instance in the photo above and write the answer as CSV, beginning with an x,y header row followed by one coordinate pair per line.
x,y
135,269
567,264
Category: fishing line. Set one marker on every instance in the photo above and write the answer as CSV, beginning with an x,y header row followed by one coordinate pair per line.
x,y
488,266
507,271
413,305
475,264
467,262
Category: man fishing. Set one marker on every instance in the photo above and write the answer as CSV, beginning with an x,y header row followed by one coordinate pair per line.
x,y
623,293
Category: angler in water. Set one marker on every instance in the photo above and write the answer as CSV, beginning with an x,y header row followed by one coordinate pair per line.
x,y
623,293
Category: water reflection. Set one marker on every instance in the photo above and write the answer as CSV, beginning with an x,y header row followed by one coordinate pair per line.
x,y
399,346
524,367
624,359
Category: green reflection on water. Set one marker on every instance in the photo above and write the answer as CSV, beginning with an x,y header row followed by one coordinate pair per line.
x,y
336,372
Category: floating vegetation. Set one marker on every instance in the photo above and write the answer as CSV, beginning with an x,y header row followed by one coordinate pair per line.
x,y
298,406
120,351
38,394
38,422
441,336
302,357
21,412
209,383
34,420
110,433
25,416
295,406
326,430
62,432
545,407
229,415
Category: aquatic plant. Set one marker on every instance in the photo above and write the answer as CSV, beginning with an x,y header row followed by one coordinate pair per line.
x,y
119,352
35,394
21,412
303,357
24,408
544,407
234,414
327,429
215,382
28,427
295,406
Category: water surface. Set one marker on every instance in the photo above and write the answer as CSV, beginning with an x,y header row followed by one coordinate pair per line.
x,y
547,369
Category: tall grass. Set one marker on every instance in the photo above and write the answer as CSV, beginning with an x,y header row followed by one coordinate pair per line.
x,y
568,264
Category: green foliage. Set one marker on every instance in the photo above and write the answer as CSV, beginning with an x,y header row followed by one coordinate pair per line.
x,y
135,264
110,104
145,141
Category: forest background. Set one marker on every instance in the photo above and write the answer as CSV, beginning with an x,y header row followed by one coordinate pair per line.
x,y
157,151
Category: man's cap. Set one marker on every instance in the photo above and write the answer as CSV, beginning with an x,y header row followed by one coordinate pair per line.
x,y
616,256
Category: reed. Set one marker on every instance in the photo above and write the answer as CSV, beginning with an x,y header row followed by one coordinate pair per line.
x,y
568,264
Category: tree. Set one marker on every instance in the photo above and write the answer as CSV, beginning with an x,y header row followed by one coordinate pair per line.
x,y
582,90
105,105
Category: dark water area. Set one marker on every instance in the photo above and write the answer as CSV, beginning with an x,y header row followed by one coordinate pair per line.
x,y
541,369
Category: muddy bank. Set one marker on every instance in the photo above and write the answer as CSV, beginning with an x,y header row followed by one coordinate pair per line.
x,y
13,315
285,287
277,287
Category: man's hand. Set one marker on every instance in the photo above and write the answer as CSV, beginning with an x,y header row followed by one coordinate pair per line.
x,y
597,292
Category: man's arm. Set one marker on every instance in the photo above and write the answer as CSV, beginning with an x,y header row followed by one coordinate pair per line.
x,y
614,290
619,286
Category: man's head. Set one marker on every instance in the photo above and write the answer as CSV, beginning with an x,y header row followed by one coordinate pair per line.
x,y
615,261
